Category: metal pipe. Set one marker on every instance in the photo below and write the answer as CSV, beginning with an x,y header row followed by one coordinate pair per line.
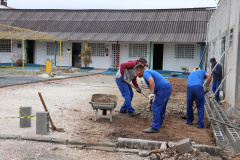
x,y
11,54
117,54
60,52
201,55
23,53
215,66
55,53
150,55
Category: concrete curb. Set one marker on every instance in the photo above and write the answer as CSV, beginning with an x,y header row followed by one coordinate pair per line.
x,y
46,80
151,145
123,144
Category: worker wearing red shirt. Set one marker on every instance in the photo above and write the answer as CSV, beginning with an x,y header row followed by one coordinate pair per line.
x,y
127,73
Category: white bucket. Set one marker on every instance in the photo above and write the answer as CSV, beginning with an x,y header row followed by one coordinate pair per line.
x,y
221,95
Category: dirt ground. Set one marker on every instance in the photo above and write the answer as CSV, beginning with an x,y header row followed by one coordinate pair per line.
x,y
68,103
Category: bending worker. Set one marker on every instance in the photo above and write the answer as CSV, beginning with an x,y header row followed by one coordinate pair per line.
x,y
126,72
217,77
196,91
161,89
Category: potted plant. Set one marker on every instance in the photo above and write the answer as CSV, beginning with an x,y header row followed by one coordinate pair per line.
x,y
86,57
18,59
115,67
184,69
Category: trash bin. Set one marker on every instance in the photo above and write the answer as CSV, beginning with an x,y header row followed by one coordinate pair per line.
x,y
48,67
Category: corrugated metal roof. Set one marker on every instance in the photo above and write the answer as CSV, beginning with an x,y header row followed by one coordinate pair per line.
x,y
163,25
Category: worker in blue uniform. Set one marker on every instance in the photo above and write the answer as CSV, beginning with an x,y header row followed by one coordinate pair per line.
x,y
161,90
217,77
195,90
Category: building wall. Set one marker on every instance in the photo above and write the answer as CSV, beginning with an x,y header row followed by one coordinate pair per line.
x,y
174,64
5,57
169,62
225,18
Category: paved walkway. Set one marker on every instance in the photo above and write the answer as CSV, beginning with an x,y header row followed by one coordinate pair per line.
x,y
11,79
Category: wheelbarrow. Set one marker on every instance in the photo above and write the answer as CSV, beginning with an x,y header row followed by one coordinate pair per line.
x,y
104,102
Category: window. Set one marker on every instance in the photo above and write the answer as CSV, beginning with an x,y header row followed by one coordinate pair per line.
x,y
223,46
5,45
231,39
213,49
184,51
51,48
138,50
98,49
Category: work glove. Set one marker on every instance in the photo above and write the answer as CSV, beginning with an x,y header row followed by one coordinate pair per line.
x,y
139,90
151,97
122,77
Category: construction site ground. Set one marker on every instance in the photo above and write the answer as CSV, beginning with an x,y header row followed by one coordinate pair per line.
x,y
68,103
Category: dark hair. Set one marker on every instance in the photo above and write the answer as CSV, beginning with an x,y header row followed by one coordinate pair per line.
x,y
212,60
138,66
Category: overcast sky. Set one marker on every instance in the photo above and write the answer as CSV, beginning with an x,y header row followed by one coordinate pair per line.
x,y
109,4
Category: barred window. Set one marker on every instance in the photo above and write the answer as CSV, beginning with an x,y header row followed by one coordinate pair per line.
x,y
5,45
51,48
138,50
184,51
98,49
231,39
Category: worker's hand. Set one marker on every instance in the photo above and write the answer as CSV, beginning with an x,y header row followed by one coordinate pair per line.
x,y
151,97
122,77
139,90
207,89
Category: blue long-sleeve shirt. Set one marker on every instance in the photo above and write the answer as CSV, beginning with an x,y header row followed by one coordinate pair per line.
x,y
217,74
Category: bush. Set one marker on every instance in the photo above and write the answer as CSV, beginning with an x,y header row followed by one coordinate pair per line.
x,y
86,57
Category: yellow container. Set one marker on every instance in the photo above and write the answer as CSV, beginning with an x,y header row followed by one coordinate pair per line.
x,y
48,67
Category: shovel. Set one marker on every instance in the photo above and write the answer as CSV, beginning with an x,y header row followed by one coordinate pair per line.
x,y
150,104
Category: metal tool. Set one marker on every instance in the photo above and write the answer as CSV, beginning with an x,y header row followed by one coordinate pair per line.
x,y
224,123
50,119
150,104
215,66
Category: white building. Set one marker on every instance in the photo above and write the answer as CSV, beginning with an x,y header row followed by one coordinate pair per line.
x,y
167,38
223,35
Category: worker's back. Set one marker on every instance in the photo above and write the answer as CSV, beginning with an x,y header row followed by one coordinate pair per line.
x,y
196,78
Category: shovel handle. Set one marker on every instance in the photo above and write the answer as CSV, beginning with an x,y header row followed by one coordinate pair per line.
x,y
135,87
45,107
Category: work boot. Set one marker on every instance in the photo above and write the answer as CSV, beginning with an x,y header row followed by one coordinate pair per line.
x,y
134,113
150,130
189,123
123,111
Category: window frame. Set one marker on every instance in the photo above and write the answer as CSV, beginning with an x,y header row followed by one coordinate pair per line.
x,y
181,51
5,45
52,47
137,50
96,50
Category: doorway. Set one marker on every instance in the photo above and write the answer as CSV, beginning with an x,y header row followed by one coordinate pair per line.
x,y
158,56
76,50
30,51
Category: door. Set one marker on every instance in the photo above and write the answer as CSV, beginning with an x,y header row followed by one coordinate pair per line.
x,y
158,56
76,50
114,54
30,51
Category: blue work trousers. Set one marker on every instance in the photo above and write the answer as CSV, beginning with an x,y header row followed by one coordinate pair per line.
x,y
215,85
195,92
127,93
159,106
